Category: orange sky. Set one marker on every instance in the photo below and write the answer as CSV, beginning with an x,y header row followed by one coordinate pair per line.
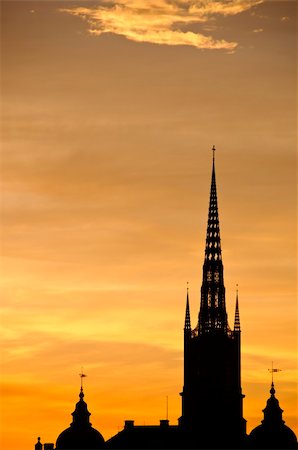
x,y
108,119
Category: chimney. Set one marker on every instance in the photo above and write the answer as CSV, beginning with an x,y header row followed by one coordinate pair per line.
x,y
129,424
164,423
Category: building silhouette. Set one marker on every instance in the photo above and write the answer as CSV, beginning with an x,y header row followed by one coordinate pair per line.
x,y
272,433
212,399
80,434
212,395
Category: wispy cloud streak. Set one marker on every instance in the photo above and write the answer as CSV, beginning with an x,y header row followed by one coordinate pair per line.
x,y
162,21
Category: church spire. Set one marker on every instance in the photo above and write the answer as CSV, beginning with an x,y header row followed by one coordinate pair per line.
x,y
213,316
237,315
212,398
213,248
187,325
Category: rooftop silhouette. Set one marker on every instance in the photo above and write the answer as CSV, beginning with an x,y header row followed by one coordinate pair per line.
x,y
212,399
272,433
80,434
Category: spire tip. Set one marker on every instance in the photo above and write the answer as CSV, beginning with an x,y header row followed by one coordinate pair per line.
x,y
187,325
82,375
237,315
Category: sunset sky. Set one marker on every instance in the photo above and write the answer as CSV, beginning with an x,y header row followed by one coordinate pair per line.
x,y
109,113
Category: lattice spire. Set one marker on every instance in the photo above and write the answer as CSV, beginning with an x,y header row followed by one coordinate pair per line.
x,y
213,316
187,325
237,315
213,248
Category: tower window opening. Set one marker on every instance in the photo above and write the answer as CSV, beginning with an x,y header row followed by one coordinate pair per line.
x,y
216,300
209,299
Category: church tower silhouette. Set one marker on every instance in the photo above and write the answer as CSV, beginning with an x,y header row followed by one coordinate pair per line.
x,y
212,399
212,395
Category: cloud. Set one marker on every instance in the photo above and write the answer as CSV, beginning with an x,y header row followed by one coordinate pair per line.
x,y
163,22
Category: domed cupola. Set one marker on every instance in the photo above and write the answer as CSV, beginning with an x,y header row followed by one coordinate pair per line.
x,y
81,414
272,433
80,434
272,411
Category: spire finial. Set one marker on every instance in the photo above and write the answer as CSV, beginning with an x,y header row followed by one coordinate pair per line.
x,y
82,375
213,149
272,370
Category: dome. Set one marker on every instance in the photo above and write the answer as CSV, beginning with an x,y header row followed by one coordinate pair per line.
x,y
80,434
80,438
272,433
281,437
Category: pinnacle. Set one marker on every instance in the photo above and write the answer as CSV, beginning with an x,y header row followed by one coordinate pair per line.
x,y
187,325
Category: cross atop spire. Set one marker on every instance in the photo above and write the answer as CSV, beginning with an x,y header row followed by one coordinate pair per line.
x,y
213,149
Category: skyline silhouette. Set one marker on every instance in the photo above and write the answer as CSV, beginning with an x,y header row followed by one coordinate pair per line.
x,y
212,398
